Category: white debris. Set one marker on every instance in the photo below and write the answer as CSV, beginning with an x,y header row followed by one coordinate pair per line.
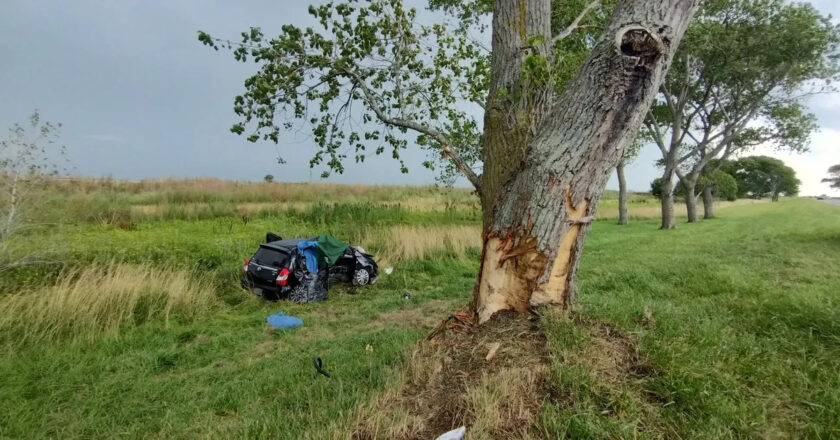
x,y
388,270
455,434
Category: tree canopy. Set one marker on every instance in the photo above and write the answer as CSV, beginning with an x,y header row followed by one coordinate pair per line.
x,y
833,176
762,176
365,62
370,78
724,186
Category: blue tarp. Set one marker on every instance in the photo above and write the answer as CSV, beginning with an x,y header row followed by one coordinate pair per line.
x,y
281,321
309,249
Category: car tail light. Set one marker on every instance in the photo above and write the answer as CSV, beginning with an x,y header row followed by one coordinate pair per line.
x,y
282,277
245,267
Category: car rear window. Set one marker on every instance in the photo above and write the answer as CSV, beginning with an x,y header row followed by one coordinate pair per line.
x,y
271,257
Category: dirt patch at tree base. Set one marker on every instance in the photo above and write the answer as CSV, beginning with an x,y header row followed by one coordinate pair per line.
x,y
453,381
494,379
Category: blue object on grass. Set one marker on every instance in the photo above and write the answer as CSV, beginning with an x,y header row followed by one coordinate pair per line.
x,y
309,249
279,320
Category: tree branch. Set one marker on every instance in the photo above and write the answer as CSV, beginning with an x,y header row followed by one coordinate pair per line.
x,y
576,23
443,142
659,140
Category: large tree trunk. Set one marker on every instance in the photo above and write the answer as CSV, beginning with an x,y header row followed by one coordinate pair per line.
x,y
666,199
622,194
708,202
547,159
690,199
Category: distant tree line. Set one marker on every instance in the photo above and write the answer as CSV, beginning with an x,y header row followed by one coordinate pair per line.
x,y
753,177
738,81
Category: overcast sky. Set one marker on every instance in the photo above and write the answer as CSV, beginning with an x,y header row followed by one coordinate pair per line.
x,y
140,97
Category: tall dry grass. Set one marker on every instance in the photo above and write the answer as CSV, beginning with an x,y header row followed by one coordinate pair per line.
x,y
418,242
649,208
99,300
173,190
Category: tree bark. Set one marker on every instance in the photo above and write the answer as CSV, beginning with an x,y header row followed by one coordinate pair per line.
x,y
667,201
510,124
622,194
690,200
539,209
708,202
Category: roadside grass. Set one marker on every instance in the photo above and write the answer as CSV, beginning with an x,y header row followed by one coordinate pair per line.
x,y
733,324
206,190
110,201
223,376
645,207
399,243
208,246
103,200
725,328
102,299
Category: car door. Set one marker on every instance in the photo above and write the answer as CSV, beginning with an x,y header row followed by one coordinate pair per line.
x,y
343,268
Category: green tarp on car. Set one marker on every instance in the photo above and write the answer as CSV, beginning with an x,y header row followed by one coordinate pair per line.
x,y
330,248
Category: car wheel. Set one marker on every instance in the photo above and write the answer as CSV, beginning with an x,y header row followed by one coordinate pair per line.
x,y
298,294
361,277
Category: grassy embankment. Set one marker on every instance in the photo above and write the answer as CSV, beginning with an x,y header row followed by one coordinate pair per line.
x,y
727,328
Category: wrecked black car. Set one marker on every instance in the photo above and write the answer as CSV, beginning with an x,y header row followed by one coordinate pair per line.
x,y
302,269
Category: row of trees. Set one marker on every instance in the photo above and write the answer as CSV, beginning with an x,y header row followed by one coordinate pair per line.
x,y
739,80
566,88
754,177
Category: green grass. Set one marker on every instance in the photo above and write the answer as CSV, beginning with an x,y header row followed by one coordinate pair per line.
x,y
223,376
746,341
745,344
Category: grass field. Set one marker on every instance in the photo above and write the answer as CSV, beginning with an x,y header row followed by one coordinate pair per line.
x,y
729,328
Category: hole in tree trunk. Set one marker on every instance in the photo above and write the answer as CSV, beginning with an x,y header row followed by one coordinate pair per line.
x,y
639,43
